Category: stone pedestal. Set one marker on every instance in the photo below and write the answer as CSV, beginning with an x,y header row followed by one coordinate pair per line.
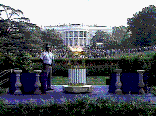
x,y
77,81
118,83
77,89
77,76
141,83
37,83
18,82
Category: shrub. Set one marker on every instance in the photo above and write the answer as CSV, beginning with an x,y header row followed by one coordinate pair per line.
x,y
85,106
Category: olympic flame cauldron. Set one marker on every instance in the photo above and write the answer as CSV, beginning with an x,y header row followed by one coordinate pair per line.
x,y
77,60
77,70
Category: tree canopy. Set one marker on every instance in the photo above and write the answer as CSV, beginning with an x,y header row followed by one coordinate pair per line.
x,y
52,36
103,37
143,26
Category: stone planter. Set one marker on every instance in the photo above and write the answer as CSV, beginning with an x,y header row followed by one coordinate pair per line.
x,y
112,86
28,83
12,81
130,83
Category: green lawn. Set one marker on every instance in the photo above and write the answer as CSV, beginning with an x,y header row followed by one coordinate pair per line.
x,y
93,80
59,80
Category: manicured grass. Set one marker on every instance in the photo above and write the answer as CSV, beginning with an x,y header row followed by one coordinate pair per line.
x,y
94,80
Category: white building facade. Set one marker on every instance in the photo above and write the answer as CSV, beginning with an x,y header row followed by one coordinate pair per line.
x,y
78,35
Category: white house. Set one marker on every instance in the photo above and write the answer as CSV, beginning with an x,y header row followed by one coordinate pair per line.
x,y
77,34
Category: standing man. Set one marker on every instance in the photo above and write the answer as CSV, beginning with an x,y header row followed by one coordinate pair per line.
x,y
46,58
104,53
108,53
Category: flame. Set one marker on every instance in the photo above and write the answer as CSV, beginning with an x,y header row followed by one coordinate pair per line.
x,y
76,49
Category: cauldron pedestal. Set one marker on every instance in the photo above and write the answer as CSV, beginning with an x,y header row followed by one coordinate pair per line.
x,y
77,81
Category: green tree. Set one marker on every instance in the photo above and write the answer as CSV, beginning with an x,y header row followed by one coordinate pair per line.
x,y
6,24
20,33
143,26
52,36
100,36
13,11
119,33
103,37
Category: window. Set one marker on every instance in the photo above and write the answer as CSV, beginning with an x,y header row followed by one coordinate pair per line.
x,y
85,41
70,33
81,41
67,34
81,34
75,33
76,41
84,33
71,41
66,41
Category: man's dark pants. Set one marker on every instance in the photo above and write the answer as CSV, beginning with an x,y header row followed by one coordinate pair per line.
x,y
45,78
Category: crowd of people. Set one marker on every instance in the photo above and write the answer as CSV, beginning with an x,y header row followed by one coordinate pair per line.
x,y
100,53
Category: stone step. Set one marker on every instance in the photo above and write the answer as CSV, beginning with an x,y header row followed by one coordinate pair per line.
x,y
77,89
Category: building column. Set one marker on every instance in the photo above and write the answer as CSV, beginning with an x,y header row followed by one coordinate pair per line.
x,y
78,42
73,39
73,42
65,38
68,41
78,38
64,41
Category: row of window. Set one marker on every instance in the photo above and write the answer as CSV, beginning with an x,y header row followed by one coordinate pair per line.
x,y
75,33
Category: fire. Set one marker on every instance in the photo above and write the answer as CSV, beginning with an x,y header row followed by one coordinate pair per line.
x,y
76,49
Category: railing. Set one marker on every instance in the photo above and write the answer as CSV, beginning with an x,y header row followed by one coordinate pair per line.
x,y
3,74
4,81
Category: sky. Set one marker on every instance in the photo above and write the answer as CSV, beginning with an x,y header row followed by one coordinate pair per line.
x,y
87,12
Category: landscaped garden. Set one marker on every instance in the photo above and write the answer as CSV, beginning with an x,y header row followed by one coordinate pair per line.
x,y
86,107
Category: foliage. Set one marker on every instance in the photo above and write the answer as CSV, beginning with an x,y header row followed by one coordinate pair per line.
x,y
20,34
119,33
52,36
101,36
24,59
6,24
142,25
13,11
83,105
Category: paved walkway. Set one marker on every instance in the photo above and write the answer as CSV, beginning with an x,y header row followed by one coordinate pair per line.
x,y
59,96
